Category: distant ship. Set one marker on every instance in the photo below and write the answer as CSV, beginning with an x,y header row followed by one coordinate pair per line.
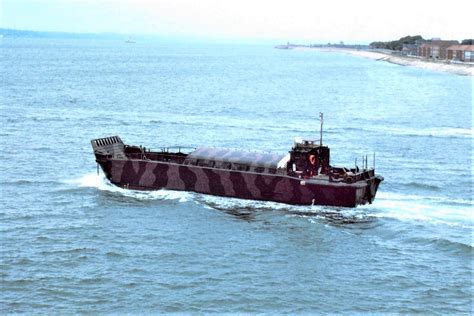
x,y
130,41
302,177
287,46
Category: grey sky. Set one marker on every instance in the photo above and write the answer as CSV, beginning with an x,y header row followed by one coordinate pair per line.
x,y
303,20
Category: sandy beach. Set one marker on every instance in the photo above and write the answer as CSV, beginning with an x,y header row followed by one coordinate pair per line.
x,y
459,69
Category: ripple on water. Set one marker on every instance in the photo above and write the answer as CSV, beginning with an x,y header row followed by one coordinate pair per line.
x,y
444,244
73,243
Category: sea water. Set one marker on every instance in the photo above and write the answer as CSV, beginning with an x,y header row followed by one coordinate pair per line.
x,y
71,242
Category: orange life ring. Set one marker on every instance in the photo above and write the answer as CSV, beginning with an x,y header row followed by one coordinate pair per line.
x,y
312,159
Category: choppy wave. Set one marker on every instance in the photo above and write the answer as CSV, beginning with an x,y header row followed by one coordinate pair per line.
x,y
447,132
245,209
435,132
308,128
419,185
432,209
248,208
101,183
445,244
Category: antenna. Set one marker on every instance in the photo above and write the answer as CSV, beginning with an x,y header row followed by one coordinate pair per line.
x,y
321,130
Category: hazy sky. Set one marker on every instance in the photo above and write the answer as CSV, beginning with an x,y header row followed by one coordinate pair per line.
x,y
295,20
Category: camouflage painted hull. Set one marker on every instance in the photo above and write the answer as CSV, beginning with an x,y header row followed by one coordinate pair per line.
x,y
138,173
143,175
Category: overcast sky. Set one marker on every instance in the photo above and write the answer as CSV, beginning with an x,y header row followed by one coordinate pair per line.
x,y
293,20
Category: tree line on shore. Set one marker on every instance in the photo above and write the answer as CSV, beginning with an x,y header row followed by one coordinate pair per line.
x,y
408,40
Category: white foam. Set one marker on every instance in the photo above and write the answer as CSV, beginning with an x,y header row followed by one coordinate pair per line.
x,y
386,205
424,208
413,197
433,132
91,180
405,207
101,183
235,203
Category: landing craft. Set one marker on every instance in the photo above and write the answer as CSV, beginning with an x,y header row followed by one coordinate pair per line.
x,y
303,177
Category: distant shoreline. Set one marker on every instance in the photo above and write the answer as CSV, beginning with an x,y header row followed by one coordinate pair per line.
x,y
13,33
453,68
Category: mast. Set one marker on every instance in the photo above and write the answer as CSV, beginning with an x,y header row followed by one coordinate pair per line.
x,y
321,129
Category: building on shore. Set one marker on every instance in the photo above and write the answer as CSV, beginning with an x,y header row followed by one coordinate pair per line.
x,y
461,53
412,49
424,50
409,49
436,49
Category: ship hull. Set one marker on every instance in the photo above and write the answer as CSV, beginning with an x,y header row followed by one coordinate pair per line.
x,y
154,175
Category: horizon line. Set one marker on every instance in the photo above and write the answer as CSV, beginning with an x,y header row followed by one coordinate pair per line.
x,y
194,38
